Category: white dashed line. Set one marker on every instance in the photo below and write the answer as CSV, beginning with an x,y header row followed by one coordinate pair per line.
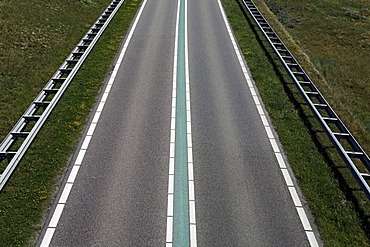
x,y
47,237
171,165
192,217
303,217
294,194
65,194
86,143
73,174
56,216
80,157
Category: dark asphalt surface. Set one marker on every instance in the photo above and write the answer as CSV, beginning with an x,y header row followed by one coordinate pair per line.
x,y
241,196
120,194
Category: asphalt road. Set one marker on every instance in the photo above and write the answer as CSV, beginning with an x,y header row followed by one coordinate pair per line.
x,y
119,197
241,196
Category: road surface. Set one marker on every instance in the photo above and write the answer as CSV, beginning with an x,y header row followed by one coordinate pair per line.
x,y
119,188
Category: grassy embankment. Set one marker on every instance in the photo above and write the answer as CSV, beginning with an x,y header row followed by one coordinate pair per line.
x,y
36,36
334,53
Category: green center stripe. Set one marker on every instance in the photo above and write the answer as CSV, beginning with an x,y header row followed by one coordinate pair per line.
x,y
181,195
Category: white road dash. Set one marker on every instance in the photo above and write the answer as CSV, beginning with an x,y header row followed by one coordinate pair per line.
x,y
91,130
67,189
96,117
294,194
312,239
56,216
304,219
73,174
171,184
86,143
170,205
47,237
80,157
288,179
169,230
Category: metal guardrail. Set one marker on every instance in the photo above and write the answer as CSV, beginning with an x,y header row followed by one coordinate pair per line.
x,y
351,152
18,140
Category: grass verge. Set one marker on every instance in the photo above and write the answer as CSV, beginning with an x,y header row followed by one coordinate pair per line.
x,y
341,212
49,36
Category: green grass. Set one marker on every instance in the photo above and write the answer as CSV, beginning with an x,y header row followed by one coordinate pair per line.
x,y
33,44
336,37
340,211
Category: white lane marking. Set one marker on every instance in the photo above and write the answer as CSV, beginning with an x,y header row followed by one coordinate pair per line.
x,y
96,117
189,140
288,179
191,191
169,230
260,109
65,194
172,150
294,194
264,120
56,216
86,143
171,166
91,130
274,145
173,134
170,205
193,235
192,214
190,154
46,240
47,237
190,171
171,183
301,212
169,227
280,159
312,239
73,174
269,132
80,157
304,219
105,96
101,106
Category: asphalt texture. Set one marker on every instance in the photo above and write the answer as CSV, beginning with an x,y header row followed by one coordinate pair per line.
x,y
120,194
241,196
119,197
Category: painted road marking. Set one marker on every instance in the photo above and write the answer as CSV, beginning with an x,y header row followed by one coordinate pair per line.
x,y
297,202
48,236
171,165
181,223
